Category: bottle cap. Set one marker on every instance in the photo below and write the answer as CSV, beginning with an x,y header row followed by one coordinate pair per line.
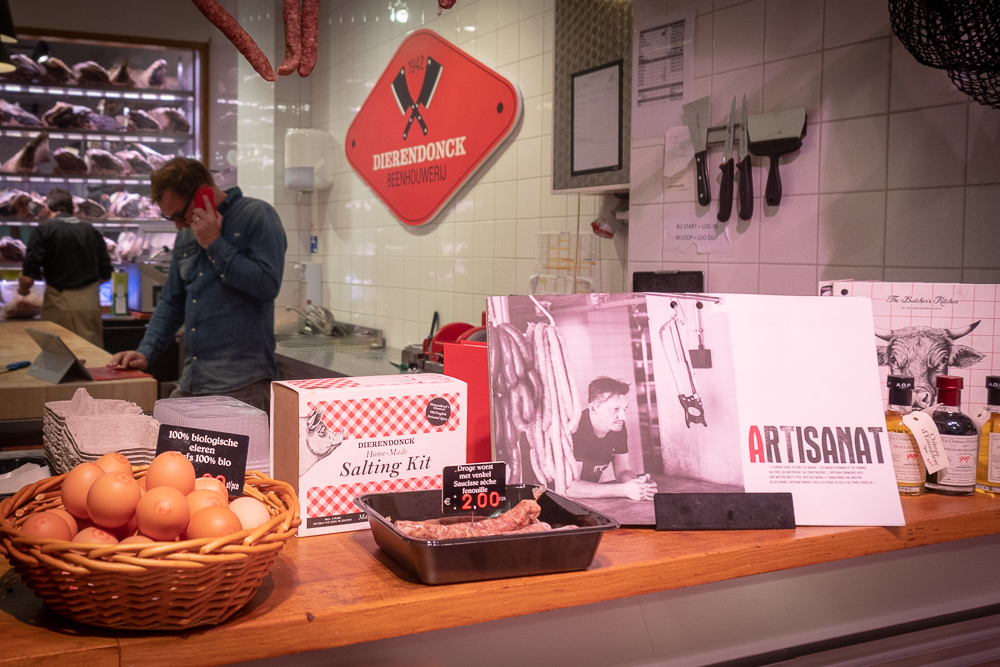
x,y
904,382
949,382
993,381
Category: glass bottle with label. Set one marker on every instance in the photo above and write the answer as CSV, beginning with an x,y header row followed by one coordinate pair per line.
x,y
988,472
959,438
906,458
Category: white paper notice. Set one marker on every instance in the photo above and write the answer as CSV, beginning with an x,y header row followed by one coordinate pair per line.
x,y
707,233
596,122
663,66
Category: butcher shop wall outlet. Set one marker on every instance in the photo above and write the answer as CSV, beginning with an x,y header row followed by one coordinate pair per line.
x,y
334,439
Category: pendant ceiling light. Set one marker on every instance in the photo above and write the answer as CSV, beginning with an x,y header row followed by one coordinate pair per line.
x,y
8,33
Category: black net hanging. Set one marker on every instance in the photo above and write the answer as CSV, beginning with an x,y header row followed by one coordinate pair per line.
x,y
984,87
949,34
961,36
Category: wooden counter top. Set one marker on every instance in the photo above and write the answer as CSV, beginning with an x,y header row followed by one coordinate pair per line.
x,y
24,397
337,590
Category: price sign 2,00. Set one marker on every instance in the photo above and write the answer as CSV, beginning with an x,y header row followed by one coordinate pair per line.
x,y
474,487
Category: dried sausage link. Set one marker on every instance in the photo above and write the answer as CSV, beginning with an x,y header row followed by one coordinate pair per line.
x,y
235,33
310,36
293,38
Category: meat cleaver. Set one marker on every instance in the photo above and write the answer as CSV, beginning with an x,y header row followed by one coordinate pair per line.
x,y
696,118
406,104
773,135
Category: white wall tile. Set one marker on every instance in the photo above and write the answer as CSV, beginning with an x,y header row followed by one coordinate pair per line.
x,y
791,83
852,229
982,233
645,234
646,175
790,279
834,272
856,80
853,155
915,85
702,45
738,36
927,147
733,278
849,21
984,137
792,28
789,232
922,227
916,275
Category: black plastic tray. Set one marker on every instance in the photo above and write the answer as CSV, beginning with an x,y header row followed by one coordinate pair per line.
x,y
493,557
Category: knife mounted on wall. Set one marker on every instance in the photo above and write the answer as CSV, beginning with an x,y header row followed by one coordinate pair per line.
x,y
696,118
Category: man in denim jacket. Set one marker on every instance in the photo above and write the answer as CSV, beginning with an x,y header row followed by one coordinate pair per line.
x,y
225,273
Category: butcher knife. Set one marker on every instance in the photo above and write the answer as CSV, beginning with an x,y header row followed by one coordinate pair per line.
x,y
745,167
402,94
726,185
773,135
696,118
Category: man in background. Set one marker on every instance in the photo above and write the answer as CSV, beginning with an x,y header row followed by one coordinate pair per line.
x,y
601,440
224,276
72,257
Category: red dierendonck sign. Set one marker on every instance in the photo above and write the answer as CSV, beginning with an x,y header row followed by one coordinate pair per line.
x,y
434,118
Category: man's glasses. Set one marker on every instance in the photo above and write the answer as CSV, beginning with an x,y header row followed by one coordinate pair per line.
x,y
181,217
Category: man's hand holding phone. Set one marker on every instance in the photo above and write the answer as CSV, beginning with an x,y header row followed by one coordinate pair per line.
x,y
206,223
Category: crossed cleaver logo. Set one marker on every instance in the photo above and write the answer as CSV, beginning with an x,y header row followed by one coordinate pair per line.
x,y
407,105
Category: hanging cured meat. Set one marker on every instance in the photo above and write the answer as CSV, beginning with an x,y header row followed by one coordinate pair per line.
x,y
13,115
102,163
154,76
171,119
69,162
89,73
235,33
26,160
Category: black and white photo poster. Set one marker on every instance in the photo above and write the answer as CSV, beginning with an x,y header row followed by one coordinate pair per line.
x,y
612,398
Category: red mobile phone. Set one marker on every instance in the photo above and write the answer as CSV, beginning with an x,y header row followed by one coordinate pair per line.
x,y
204,191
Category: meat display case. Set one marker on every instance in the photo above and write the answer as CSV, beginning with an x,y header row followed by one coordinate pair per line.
x,y
94,115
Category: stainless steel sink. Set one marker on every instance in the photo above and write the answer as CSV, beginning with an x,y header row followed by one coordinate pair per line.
x,y
307,340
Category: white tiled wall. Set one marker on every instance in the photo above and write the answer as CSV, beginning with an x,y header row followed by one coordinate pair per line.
x,y
897,177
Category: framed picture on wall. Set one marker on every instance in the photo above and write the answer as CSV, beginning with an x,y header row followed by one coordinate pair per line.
x,y
596,132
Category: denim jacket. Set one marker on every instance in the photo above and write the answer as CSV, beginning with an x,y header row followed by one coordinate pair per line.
x,y
224,296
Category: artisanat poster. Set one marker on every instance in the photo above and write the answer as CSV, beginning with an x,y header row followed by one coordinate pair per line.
x,y
930,329
612,398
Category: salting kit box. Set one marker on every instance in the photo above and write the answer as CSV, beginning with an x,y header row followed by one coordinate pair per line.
x,y
334,439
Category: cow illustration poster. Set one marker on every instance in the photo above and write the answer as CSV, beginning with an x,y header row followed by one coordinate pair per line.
x,y
613,398
930,329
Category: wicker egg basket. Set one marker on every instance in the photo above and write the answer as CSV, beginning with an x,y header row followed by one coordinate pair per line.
x,y
160,586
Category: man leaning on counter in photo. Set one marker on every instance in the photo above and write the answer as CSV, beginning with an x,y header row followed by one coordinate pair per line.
x,y
224,276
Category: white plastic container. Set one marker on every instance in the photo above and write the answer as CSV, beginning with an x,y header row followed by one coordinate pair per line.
x,y
223,414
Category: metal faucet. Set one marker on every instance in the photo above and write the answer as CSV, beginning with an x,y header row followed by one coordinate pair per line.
x,y
317,320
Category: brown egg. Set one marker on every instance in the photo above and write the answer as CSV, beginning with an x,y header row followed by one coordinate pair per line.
x,y
202,498
171,469
162,513
74,526
95,535
137,539
213,484
111,499
213,522
47,525
142,483
115,462
251,511
75,486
